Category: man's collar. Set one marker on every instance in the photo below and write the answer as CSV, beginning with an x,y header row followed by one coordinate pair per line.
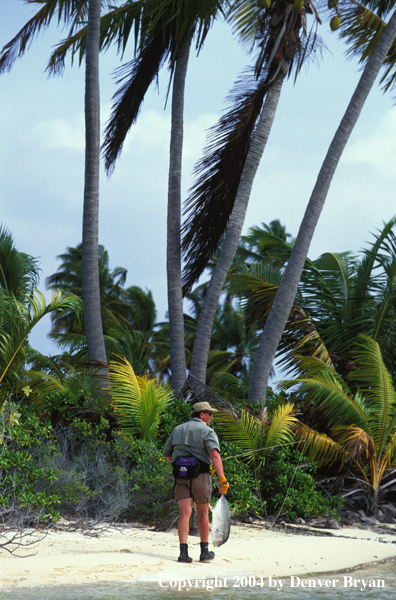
x,y
197,419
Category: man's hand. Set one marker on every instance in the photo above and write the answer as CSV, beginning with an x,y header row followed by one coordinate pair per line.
x,y
224,485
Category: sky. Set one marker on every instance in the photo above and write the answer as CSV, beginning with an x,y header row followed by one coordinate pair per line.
x,y
42,155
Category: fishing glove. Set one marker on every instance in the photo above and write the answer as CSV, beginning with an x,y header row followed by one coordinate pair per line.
x,y
224,485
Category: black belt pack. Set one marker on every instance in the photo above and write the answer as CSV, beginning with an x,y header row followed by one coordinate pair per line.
x,y
188,468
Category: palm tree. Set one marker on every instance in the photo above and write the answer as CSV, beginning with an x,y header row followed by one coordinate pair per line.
x,y
20,321
19,272
90,229
284,299
69,277
172,28
225,175
339,296
127,313
361,416
72,11
162,30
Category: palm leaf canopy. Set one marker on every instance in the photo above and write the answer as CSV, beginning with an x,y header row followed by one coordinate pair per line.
x,y
137,401
66,10
363,424
19,272
319,447
340,295
165,27
362,25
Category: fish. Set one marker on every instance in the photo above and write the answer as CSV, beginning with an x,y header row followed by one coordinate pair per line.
x,y
221,521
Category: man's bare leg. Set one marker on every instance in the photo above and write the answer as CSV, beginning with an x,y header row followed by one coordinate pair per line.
x,y
203,521
183,526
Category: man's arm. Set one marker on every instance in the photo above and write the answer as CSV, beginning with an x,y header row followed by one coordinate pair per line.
x,y
168,458
216,460
218,465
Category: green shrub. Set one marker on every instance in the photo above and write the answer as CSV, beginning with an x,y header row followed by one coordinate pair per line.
x,y
107,480
243,493
176,413
291,491
21,476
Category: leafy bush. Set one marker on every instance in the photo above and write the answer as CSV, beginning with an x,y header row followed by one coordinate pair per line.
x,y
243,494
22,478
292,492
176,413
107,480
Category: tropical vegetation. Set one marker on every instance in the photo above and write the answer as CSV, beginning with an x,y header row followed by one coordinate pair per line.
x,y
82,431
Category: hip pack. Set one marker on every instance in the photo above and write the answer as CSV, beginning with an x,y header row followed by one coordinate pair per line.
x,y
188,468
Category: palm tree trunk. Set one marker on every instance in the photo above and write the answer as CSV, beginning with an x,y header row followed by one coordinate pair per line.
x,y
173,263
284,298
205,324
90,259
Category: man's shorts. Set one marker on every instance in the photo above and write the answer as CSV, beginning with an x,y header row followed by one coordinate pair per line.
x,y
201,488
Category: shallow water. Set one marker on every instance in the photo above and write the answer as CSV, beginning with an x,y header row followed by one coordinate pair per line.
x,y
380,583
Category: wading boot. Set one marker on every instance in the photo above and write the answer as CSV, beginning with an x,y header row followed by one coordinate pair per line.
x,y
184,554
206,555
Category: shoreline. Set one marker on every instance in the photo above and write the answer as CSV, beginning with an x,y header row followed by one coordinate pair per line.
x,y
136,554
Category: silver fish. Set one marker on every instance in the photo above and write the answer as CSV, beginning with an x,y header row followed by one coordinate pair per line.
x,y
221,521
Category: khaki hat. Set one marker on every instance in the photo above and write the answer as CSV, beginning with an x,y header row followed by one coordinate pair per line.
x,y
202,407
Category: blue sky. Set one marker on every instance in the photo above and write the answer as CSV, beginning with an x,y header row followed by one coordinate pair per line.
x,y
42,155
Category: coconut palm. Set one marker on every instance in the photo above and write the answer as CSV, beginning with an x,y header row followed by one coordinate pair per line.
x,y
360,417
90,229
169,37
137,401
219,173
163,30
131,306
339,296
283,302
72,11
224,177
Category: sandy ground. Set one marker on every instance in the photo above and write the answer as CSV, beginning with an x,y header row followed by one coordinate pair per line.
x,y
133,553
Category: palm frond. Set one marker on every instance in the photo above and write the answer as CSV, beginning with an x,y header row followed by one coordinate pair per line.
x,y
282,422
317,446
377,386
68,11
137,401
321,386
217,176
248,433
356,443
389,451
23,320
137,76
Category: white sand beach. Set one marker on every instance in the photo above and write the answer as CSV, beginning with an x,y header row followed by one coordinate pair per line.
x,y
135,553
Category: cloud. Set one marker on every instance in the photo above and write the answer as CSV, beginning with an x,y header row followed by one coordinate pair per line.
x,y
378,149
195,135
57,134
151,130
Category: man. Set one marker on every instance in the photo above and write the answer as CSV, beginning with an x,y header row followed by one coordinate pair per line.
x,y
196,438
